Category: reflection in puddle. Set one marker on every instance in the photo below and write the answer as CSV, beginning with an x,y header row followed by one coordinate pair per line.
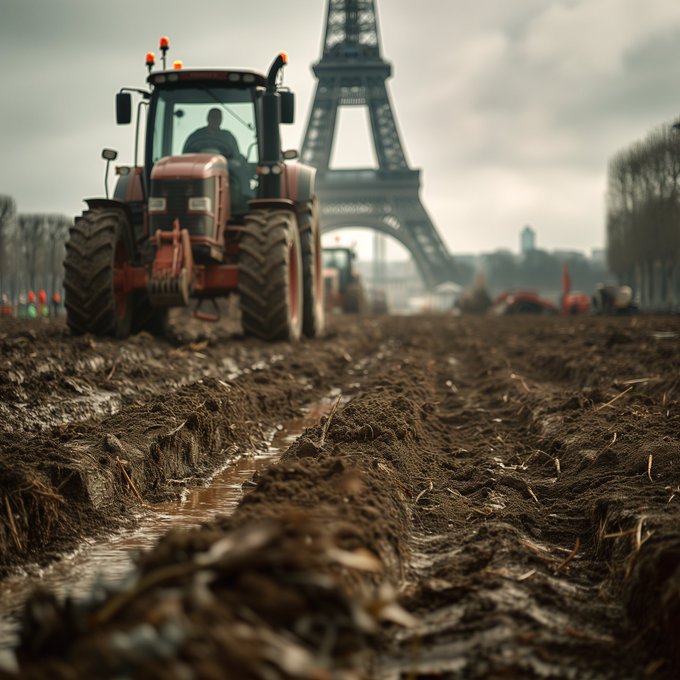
x,y
106,562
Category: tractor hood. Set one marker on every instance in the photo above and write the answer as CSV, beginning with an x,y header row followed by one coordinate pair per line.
x,y
189,166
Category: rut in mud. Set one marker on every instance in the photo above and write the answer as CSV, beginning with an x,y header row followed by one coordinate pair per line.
x,y
497,499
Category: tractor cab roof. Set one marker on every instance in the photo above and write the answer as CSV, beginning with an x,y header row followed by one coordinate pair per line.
x,y
180,77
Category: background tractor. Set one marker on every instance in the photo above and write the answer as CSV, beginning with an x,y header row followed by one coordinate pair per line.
x,y
572,303
216,208
344,290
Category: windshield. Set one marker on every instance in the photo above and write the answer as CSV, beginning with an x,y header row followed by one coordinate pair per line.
x,y
192,120
337,259
214,119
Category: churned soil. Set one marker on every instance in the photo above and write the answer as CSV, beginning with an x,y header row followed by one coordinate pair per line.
x,y
488,498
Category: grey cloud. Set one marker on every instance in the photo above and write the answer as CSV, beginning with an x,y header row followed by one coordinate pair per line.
x,y
480,113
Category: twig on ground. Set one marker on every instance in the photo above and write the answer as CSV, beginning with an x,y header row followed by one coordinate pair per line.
x,y
611,401
129,480
649,467
112,371
639,541
619,534
533,495
177,429
638,534
12,525
639,381
570,556
327,424
514,376
526,575
557,466
424,491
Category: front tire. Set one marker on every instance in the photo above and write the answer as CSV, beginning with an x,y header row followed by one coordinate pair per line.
x,y
313,313
270,276
99,247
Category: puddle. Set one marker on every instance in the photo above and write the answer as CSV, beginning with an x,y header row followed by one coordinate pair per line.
x,y
108,561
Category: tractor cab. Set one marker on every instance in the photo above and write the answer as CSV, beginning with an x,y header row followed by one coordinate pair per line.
x,y
208,112
210,137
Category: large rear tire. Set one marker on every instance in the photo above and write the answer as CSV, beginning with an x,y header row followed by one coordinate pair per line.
x,y
99,247
270,276
313,312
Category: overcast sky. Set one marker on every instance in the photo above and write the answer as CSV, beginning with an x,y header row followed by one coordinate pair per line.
x,y
510,108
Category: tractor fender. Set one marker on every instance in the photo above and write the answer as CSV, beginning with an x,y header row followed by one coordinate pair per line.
x,y
299,182
112,203
94,203
129,186
272,204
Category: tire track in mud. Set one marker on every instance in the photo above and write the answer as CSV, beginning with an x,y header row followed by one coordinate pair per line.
x,y
526,583
303,567
65,483
46,383
493,577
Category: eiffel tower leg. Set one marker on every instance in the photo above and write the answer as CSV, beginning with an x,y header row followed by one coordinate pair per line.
x,y
429,251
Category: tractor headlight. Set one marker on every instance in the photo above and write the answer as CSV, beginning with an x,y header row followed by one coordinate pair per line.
x,y
157,204
200,204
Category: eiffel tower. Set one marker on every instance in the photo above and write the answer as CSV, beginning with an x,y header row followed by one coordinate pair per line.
x,y
352,72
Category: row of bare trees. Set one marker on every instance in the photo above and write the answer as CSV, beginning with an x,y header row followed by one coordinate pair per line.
x,y
643,215
31,250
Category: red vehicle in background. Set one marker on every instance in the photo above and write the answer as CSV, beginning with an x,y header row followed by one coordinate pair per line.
x,y
523,302
573,302
6,309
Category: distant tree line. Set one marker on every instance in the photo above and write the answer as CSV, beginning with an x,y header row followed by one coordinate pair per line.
x,y
643,217
31,250
536,270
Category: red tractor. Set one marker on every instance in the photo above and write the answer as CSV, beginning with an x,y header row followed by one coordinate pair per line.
x,y
213,210
573,302
344,290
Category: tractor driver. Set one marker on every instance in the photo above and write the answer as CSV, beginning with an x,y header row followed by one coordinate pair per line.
x,y
212,137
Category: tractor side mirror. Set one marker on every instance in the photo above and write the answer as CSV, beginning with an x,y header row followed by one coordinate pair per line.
x,y
123,108
287,106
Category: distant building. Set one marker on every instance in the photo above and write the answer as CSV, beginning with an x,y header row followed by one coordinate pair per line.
x,y
527,240
563,255
598,256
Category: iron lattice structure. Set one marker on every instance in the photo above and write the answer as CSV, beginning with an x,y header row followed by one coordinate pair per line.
x,y
352,72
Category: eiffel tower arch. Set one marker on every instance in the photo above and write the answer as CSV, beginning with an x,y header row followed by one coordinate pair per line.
x,y
352,72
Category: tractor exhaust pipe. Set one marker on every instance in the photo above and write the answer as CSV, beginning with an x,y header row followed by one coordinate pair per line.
x,y
271,135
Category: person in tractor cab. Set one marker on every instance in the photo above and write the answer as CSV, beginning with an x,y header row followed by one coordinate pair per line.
x,y
213,137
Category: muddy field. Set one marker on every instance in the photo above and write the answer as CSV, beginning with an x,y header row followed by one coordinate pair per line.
x,y
483,498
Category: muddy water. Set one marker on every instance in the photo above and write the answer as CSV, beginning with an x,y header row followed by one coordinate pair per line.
x,y
107,562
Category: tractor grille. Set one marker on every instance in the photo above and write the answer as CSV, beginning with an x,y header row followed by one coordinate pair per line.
x,y
177,193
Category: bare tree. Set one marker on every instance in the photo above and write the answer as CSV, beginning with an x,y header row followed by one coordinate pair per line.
x,y
7,224
32,233
57,227
643,212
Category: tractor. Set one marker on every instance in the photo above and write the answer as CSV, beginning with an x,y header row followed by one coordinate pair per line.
x,y
344,290
210,212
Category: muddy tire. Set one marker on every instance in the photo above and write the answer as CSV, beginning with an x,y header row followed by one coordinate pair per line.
x,y
270,276
313,309
355,300
100,243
